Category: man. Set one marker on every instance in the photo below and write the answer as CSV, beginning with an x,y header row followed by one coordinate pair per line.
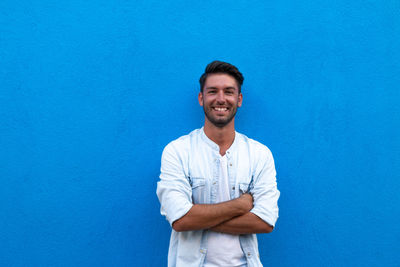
x,y
217,187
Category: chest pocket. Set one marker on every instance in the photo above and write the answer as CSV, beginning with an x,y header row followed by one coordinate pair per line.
x,y
198,190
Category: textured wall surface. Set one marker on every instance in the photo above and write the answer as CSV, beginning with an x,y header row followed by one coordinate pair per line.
x,y
91,92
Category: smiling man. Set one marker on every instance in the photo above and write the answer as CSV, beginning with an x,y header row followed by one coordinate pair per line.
x,y
217,187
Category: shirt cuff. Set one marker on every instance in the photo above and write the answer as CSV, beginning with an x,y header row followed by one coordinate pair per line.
x,y
179,213
266,217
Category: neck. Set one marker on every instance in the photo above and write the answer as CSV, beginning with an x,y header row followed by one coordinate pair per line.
x,y
222,136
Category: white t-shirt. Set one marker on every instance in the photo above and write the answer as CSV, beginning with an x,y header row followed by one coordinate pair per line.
x,y
224,250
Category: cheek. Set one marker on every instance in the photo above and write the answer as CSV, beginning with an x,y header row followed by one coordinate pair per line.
x,y
206,100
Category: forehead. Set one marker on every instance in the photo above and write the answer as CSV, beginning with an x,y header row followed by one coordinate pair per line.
x,y
220,80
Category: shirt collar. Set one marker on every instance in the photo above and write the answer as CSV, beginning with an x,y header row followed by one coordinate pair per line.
x,y
214,146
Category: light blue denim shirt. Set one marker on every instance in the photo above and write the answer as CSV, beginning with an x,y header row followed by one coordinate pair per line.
x,y
189,175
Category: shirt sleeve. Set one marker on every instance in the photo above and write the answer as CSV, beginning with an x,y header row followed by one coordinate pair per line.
x,y
173,190
264,189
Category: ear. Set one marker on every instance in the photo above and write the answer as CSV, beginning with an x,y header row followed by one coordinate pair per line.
x,y
200,98
240,99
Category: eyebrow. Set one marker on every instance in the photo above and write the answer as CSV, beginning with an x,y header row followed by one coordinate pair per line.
x,y
229,87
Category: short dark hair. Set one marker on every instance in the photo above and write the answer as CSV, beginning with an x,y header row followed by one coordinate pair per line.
x,y
221,67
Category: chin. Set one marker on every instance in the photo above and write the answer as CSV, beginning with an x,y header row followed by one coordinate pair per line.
x,y
220,123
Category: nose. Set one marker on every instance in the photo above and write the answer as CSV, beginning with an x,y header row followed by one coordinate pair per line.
x,y
220,97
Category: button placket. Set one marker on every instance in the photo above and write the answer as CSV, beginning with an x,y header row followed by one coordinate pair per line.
x,y
214,180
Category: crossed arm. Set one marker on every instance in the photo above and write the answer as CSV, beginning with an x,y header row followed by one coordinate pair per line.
x,y
233,217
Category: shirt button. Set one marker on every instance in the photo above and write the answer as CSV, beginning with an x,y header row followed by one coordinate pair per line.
x,y
248,254
233,188
214,182
230,164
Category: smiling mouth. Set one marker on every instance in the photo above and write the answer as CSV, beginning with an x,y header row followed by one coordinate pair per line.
x,y
220,109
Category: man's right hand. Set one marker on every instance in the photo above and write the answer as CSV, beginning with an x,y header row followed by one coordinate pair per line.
x,y
246,202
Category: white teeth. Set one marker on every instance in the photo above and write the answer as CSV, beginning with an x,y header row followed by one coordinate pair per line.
x,y
221,109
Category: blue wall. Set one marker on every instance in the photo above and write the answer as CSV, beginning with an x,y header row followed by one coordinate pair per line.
x,y
91,92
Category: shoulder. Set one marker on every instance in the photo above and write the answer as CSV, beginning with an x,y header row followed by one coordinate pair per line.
x,y
254,147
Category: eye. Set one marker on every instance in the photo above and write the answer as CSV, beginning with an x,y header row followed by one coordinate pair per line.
x,y
229,92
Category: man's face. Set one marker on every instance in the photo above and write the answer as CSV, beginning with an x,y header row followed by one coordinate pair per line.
x,y
220,99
